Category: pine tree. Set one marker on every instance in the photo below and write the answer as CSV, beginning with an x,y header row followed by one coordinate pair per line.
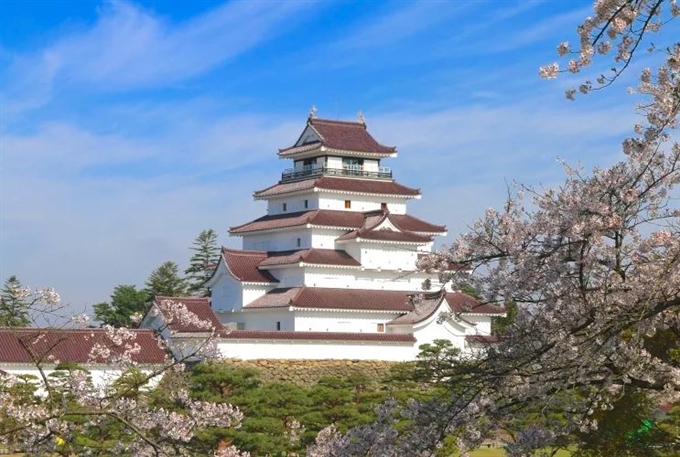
x,y
165,281
13,304
126,301
203,262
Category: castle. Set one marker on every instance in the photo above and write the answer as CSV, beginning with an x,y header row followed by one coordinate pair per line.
x,y
330,271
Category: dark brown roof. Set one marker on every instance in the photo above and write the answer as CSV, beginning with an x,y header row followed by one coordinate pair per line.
x,y
320,336
205,319
422,311
365,186
346,136
310,256
331,298
48,345
386,235
457,301
327,218
462,303
243,265
413,224
335,218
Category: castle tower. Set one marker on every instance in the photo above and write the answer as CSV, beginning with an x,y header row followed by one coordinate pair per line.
x,y
334,258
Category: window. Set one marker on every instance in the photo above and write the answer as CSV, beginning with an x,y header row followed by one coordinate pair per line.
x,y
383,206
306,203
285,206
299,242
381,328
348,204
278,325
240,326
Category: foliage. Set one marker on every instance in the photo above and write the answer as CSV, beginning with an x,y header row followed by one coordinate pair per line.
x,y
127,304
166,281
13,304
593,265
65,410
203,262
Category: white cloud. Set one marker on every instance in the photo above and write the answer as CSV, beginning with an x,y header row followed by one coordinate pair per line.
x,y
130,48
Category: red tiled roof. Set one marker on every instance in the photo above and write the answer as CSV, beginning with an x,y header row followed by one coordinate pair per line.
x,y
346,136
327,218
331,298
310,256
457,301
413,224
198,306
465,304
320,336
243,265
357,185
428,305
334,218
489,339
49,345
385,235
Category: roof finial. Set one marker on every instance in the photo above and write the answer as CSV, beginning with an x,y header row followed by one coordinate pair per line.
x,y
312,112
362,119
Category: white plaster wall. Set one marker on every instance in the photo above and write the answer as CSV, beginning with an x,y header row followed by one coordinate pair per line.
x,y
284,240
325,238
314,350
360,202
266,319
483,326
389,257
293,203
371,165
366,279
334,162
335,321
227,293
252,292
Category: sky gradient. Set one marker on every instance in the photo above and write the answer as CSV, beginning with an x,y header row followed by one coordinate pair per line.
x,y
126,128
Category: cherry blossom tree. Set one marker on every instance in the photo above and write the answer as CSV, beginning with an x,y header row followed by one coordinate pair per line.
x,y
65,411
593,266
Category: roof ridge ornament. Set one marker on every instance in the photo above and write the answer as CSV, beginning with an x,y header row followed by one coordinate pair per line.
x,y
312,112
360,116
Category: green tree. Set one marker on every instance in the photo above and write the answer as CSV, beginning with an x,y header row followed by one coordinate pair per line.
x,y
13,304
203,262
165,280
126,302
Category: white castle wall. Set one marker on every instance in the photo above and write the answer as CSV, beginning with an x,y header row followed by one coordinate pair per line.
x,y
337,321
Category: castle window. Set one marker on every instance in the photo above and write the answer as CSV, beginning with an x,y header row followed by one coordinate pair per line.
x,y
348,204
381,328
240,326
299,242
278,325
285,206
383,206
306,203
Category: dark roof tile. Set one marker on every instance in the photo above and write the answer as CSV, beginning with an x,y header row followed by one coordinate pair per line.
x,y
203,318
356,185
342,135
243,265
332,298
49,345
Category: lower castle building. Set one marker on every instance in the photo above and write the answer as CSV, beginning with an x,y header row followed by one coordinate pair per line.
x,y
330,271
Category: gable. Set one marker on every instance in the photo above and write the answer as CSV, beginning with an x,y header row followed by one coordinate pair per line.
x,y
308,136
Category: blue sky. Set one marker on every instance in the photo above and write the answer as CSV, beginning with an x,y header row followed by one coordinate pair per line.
x,y
126,128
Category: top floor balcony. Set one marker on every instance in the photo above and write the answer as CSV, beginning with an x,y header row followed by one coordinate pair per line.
x,y
310,171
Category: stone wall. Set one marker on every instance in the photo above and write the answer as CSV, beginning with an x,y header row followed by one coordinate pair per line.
x,y
307,372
